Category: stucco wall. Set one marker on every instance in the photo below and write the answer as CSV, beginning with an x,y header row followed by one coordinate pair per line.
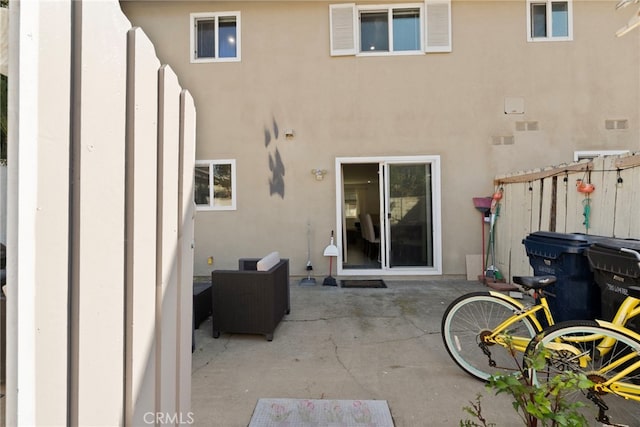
x,y
447,104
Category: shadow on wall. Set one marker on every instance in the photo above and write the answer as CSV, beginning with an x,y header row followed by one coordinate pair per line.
x,y
276,166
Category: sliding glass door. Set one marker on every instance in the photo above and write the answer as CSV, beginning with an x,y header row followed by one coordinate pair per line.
x,y
389,209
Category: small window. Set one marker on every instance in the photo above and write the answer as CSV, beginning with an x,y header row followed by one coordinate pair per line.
x,y
592,154
215,37
549,20
215,185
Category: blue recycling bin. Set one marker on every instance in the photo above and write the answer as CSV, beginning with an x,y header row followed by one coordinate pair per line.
x,y
574,295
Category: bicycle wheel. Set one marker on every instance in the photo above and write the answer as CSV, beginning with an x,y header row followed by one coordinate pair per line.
x,y
470,317
567,341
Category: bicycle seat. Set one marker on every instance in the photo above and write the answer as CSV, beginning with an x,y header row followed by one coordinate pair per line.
x,y
534,282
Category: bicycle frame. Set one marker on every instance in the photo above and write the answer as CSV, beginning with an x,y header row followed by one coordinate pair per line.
x,y
629,308
518,343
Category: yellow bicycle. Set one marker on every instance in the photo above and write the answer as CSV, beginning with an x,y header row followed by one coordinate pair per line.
x,y
481,330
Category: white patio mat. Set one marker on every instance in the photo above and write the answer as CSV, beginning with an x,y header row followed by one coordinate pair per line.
x,y
321,412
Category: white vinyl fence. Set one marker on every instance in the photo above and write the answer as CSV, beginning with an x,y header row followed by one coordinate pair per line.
x,y
548,200
99,222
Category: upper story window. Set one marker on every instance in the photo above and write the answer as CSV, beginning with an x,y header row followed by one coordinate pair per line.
x,y
390,29
215,184
549,20
215,37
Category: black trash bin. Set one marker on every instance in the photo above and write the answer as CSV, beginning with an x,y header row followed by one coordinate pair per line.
x,y
575,295
614,271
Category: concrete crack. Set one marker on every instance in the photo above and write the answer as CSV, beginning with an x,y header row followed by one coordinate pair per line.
x,y
212,356
347,370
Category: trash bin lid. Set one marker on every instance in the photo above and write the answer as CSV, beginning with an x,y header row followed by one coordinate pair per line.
x,y
606,255
565,238
617,243
551,244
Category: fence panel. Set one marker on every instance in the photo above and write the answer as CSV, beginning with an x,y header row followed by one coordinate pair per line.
x,y
627,203
142,154
548,202
602,201
100,215
186,244
575,209
167,279
561,203
514,221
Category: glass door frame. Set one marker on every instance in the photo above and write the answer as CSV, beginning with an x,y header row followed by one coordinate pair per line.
x,y
385,269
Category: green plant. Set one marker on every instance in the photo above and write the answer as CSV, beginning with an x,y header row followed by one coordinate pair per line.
x,y
475,410
538,405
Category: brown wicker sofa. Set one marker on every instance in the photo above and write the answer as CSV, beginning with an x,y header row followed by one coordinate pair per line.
x,y
250,301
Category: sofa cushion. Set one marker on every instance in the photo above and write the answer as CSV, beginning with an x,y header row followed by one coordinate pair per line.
x,y
266,263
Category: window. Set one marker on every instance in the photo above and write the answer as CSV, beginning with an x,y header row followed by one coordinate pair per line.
x,y
592,154
549,20
215,185
390,29
215,37
350,202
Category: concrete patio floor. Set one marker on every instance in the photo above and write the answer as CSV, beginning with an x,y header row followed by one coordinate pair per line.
x,y
341,343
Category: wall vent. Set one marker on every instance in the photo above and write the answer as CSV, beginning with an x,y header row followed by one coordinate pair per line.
x,y
514,105
502,140
616,124
527,126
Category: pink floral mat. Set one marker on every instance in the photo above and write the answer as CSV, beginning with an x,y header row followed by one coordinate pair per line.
x,y
321,413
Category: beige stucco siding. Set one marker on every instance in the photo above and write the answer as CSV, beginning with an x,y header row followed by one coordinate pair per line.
x,y
445,104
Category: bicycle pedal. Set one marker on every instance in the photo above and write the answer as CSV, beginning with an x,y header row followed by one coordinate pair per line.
x,y
516,294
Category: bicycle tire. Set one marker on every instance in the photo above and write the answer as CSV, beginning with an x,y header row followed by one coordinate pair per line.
x,y
469,316
620,410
